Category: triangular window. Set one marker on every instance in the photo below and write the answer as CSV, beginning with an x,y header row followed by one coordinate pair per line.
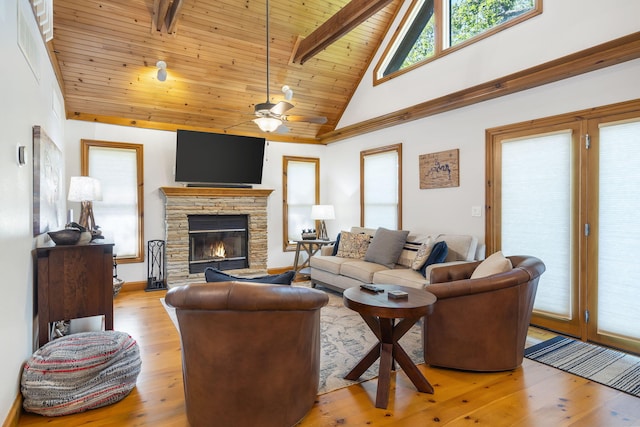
x,y
432,28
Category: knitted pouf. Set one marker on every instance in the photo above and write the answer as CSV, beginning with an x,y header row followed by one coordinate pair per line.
x,y
81,371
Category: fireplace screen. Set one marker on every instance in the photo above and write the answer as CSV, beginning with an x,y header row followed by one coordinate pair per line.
x,y
218,241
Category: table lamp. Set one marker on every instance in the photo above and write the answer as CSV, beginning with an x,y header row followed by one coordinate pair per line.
x,y
320,213
85,190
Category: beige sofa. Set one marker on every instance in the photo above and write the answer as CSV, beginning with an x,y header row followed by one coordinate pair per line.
x,y
340,273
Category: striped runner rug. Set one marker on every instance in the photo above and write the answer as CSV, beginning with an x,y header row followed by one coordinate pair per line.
x,y
603,365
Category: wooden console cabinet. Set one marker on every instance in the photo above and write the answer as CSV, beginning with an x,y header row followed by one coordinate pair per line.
x,y
73,281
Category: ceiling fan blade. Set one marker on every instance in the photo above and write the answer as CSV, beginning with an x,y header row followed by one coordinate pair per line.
x,y
309,119
281,108
282,129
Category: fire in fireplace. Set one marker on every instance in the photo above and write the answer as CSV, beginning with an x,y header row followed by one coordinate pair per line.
x,y
218,241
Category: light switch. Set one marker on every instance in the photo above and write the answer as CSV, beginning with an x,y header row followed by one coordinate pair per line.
x,y
476,210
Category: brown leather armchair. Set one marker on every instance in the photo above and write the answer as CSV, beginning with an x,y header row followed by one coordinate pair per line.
x,y
250,352
480,324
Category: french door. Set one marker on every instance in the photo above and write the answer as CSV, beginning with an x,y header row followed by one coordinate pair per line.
x,y
613,271
567,190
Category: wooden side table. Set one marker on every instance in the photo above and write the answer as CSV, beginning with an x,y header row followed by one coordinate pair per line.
x,y
74,281
379,313
311,247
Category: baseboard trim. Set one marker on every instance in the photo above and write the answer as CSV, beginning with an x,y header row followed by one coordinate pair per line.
x,y
279,270
133,286
14,413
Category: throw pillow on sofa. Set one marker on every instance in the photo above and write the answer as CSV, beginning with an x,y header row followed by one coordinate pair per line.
x,y
353,245
336,245
423,254
214,275
386,246
438,255
494,264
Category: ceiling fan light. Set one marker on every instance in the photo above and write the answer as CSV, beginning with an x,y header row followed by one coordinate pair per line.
x,y
267,124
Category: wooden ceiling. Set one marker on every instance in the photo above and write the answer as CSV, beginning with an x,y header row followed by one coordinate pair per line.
x,y
105,54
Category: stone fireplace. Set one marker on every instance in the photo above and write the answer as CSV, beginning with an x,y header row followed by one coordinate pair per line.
x,y
229,208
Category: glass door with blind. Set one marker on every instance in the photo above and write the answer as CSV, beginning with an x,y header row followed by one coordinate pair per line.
x,y
567,190
613,269
537,217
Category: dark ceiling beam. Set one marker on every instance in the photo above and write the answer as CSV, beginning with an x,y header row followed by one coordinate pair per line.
x,y
346,19
160,9
172,16
165,15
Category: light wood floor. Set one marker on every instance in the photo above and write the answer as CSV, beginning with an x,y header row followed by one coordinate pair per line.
x,y
533,395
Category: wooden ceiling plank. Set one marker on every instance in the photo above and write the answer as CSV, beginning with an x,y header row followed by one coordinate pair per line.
x,y
145,44
202,97
173,127
353,14
98,62
216,64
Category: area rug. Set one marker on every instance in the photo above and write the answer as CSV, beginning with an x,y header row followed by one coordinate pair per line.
x,y
345,339
603,365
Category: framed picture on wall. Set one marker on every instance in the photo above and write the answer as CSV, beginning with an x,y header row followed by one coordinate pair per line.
x,y
440,170
48,184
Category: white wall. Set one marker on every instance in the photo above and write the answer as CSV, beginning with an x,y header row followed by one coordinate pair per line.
x,y
564,27
25,101
159,161
449,209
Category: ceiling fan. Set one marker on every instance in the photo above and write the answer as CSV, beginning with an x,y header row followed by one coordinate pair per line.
x,y
270,116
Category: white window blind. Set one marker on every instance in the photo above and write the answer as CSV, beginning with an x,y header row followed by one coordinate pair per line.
x,y
536,213
619,230
381,190
301,195
117,213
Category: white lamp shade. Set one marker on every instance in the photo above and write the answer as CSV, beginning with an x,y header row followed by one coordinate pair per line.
x,y
322,212
267,124
84,188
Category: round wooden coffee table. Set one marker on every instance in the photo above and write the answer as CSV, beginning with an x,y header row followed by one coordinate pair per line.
x,y
379,311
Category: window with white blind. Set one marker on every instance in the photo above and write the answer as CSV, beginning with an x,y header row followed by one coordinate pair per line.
x,y
301,190
381,187
118,167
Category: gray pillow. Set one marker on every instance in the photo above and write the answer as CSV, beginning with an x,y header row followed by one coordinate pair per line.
x,y
386,246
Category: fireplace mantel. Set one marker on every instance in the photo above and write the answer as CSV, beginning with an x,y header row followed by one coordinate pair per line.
x,y
215,192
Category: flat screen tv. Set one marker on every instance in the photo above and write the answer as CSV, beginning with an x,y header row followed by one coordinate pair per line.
x,y
218,159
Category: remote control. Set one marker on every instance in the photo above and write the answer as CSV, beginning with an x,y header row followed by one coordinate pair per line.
x,y
371,288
